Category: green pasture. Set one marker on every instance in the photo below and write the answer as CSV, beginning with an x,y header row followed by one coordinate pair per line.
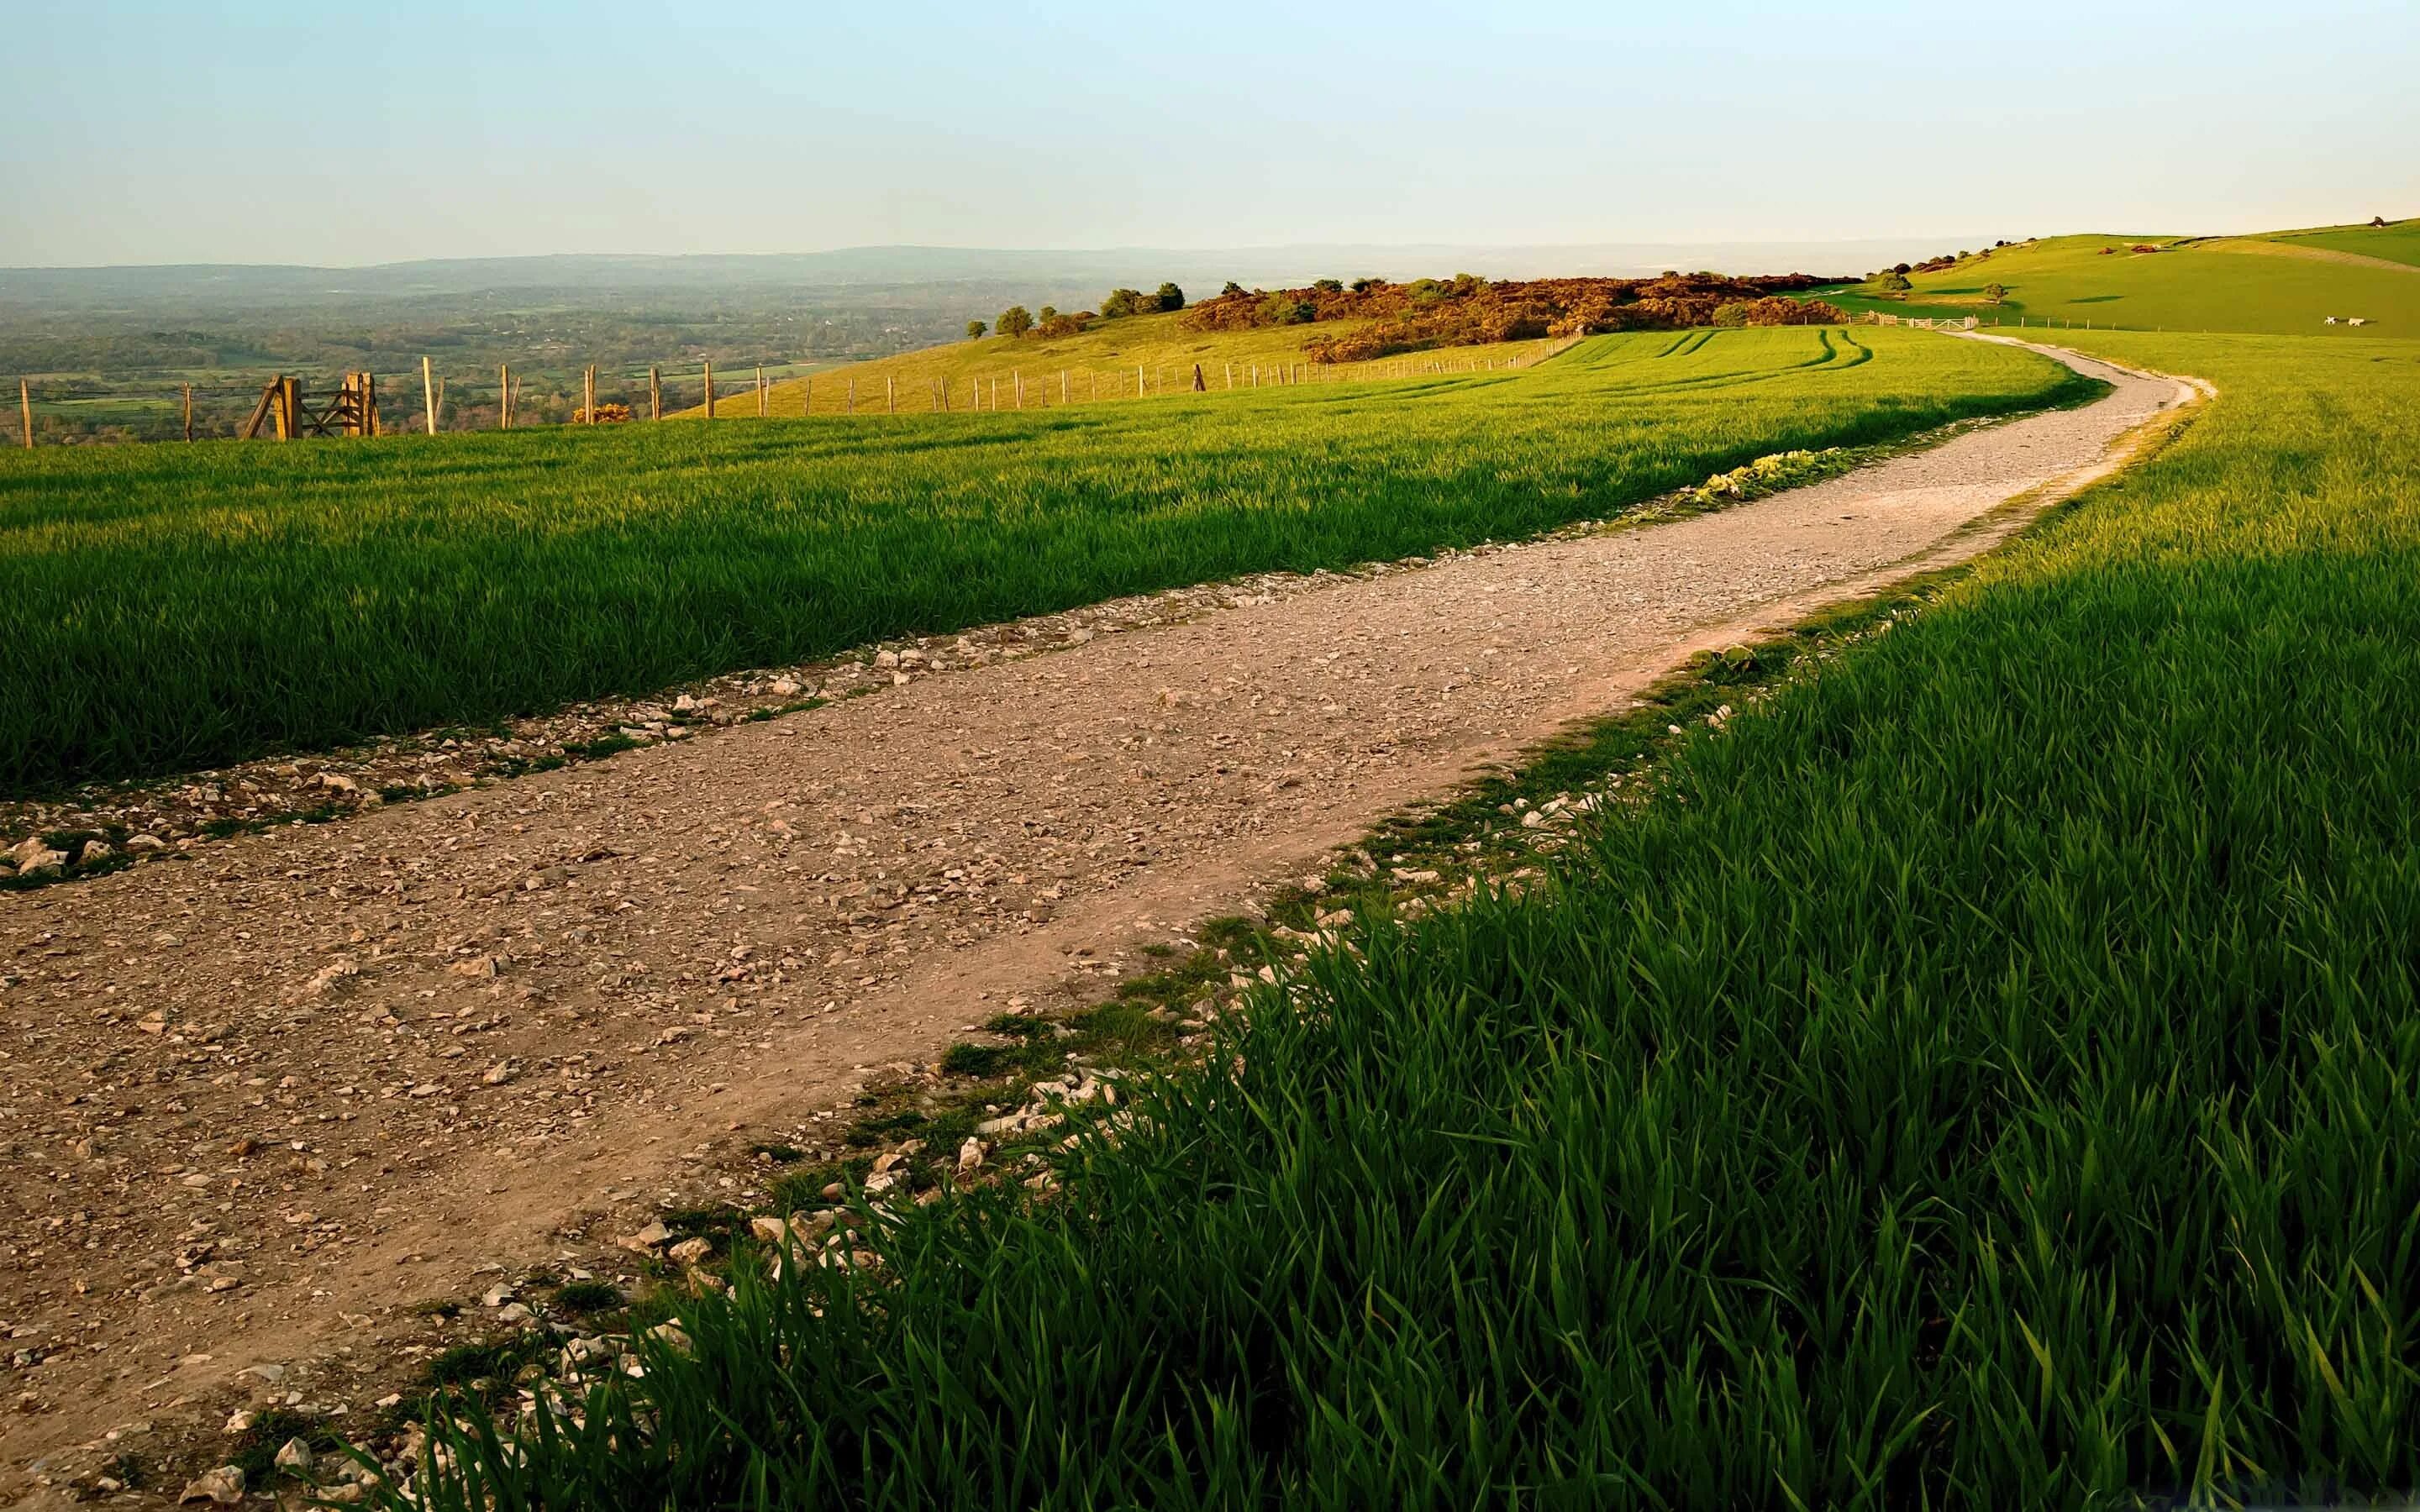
x,y
1986,1075
165,608
1148,356
2397,242
2238,286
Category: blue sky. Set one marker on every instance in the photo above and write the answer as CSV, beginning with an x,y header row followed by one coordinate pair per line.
x,y
140,132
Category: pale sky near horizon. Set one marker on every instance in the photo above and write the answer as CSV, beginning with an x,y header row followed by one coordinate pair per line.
x,y
143,131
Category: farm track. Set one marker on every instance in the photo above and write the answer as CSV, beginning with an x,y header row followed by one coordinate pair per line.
x,y
258,1103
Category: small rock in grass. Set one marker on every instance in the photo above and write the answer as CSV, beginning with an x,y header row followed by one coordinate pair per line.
x,y
296,1455
690,1251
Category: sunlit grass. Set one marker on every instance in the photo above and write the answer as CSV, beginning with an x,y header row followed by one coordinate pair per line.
x,y
164,608
1982,1076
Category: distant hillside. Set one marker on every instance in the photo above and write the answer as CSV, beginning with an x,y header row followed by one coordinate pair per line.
x,y
1105,362
2287,283
2397,242
1042,274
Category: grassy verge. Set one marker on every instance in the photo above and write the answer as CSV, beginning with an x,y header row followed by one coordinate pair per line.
x,y
165,609
1981,1074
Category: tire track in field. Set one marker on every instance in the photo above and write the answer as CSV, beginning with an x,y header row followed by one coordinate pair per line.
x,y
258,1103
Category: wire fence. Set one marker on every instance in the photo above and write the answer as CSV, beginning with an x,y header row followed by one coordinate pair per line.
x,y
435,402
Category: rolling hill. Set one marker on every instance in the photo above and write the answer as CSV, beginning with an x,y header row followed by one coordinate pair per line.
x,y
2284,285
2397,242
1100,363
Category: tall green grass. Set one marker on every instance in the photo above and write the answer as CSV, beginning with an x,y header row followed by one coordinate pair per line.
x,y
168,606
1984,1076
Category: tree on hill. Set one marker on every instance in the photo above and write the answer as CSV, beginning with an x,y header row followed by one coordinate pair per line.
x,y
1047,313
1120,303
1996,293
1168,297
2378,223
1233,287
1328,286
976,330
1016,320
1894,282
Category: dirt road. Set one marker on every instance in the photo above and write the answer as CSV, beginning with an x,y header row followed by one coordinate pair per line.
x,y
256,1100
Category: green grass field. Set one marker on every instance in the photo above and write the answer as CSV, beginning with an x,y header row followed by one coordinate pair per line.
x,y
1982,1076
168,608
1150,356
2243,284
2397,242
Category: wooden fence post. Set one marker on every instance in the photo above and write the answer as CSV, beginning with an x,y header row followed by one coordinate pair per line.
x,y
655,393
852,396
710,390
763,399
1063,385
588,396
189,412
1096,376
428,394
889,395
1231,375
25,408
1016,382
1139,391
503,397
1199,387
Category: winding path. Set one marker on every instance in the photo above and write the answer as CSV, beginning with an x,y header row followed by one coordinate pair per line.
x,y
256,1101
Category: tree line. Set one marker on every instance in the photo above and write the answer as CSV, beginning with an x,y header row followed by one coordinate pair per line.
x,y
1051,323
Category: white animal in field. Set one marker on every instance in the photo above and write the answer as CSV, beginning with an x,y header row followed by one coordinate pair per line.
x,y
2357,320
2330,320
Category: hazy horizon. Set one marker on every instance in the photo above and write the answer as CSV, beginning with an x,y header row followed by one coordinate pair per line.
x,y
1577,251
147,133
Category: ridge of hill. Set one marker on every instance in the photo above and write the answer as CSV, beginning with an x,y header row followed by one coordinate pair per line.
x,y
1103,361
2397,242
2165,283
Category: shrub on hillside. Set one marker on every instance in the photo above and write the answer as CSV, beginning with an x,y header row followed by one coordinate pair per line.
x,y
1467,310
1285,310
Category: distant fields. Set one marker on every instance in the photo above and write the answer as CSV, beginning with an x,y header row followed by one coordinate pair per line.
x,y
1149,355
164,608
2246,284
1983,1076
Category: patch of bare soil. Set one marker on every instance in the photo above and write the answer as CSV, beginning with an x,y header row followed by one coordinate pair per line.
x,y
261,1096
